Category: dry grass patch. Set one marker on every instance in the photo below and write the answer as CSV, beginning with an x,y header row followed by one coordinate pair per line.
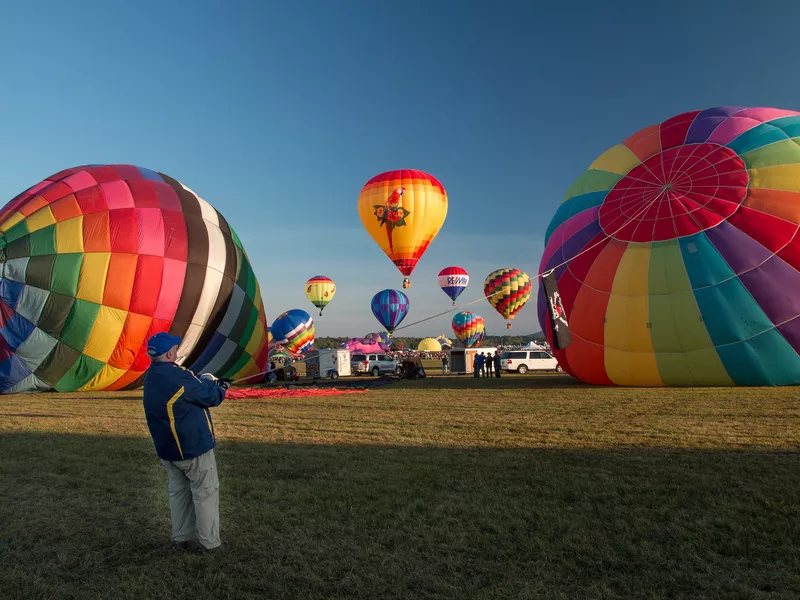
x,y
523,487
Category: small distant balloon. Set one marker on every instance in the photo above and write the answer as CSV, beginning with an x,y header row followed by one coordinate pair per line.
x,y
453,281
507,290
320,291
469,328
390,307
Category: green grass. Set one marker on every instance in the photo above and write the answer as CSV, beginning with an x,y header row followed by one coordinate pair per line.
x,y
450,487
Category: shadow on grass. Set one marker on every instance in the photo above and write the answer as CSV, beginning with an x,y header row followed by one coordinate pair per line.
x,y
88,517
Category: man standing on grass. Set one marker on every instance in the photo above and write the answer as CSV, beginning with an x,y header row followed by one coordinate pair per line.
x,y
176,406
489,363
497,365
481,364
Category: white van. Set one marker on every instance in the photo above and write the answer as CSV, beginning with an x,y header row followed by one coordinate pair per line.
x,y
523,361
328,363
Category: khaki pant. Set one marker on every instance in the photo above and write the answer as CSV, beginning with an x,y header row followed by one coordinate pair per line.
x,y
194,499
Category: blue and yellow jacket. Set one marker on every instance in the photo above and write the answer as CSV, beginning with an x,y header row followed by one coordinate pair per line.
x,y
176,406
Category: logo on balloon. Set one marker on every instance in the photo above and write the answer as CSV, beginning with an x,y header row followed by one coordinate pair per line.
x,y
391,214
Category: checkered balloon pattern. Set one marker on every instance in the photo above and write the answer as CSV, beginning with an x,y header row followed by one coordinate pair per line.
x,y
96,259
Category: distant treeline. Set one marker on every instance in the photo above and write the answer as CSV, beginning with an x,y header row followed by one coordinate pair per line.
x,y
413,342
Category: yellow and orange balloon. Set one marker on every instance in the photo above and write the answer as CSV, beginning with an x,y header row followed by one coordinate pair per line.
x,y
320,291
403,211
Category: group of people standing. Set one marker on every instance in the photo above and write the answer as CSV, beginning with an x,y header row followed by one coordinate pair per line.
x,y
484,364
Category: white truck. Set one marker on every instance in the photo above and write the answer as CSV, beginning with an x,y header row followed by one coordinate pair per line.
x,y
327,363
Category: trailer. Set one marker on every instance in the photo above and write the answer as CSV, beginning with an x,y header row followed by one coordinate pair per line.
x,y
328,363
461,359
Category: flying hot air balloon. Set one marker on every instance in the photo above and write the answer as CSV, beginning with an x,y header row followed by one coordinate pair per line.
x,y
453,281
403,211
677,258
294,331
507,290
320,291
390,307
96,259
469,328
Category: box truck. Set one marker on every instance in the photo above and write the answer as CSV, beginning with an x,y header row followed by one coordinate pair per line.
x,y
461,358
328,363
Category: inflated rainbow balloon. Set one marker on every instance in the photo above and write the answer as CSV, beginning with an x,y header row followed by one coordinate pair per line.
x,y
96,259
294,331
682,256
507,290
469,328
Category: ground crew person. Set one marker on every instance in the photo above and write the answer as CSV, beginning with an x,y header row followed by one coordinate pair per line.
x,y
176,404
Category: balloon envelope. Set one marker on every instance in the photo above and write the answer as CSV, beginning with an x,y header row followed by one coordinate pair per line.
x,y
507,290
403,211
320,291
97,259
469,328
372,342
294,330
390,307
453,281
683,256
429,345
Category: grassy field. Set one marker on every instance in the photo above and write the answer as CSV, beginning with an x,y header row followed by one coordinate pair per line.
x,y
450,487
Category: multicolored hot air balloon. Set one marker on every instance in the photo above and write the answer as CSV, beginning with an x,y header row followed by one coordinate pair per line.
x,y
469,328
682,254
390,307
453,281
294,331
94,260
403,211
507,290
320,290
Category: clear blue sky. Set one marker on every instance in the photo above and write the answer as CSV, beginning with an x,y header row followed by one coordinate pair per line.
x,y
278,112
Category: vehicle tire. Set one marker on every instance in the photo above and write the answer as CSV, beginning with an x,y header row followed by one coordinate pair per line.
x,y
376,372
334,375
559,369
358,374
522,369
398,370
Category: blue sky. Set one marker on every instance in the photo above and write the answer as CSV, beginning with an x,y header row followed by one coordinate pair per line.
x,y
278,113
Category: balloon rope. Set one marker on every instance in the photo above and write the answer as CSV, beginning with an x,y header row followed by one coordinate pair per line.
x,y
542,274
301,360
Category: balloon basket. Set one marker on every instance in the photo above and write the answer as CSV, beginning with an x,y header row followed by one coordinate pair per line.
x,y
406,283
508,325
